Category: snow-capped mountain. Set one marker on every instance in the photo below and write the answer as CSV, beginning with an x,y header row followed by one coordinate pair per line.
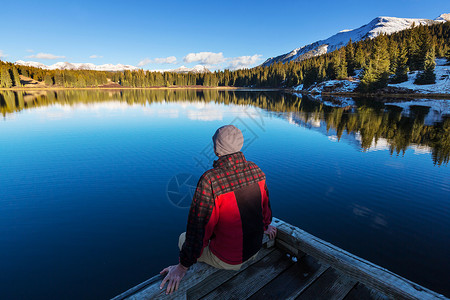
x,y
377,26
194,69
105,67
77,66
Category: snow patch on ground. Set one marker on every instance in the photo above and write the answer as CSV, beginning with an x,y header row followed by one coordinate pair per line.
x,y
335,86
442,85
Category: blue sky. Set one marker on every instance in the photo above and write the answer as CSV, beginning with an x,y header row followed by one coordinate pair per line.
x,y
168,34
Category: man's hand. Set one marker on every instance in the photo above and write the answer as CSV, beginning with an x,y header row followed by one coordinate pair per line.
x,y
271,232
173,277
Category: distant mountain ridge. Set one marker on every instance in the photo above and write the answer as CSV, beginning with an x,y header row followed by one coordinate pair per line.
x,y
77,66
105,67
377,26
184,70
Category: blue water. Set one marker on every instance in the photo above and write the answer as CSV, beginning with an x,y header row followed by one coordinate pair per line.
x,y
90,205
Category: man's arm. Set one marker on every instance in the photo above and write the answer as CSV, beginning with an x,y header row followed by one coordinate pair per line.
x,y
267,211
199,215
267,214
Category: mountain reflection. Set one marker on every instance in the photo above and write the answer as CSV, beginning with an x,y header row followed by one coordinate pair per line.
x,y
374,124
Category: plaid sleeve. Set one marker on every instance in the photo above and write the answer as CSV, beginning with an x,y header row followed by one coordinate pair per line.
x,y
267,211
199,215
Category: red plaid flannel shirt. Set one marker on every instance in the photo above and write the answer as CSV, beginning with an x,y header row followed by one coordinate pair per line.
x,y
230,172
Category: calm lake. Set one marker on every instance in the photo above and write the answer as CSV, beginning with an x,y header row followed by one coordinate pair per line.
x,y
95,185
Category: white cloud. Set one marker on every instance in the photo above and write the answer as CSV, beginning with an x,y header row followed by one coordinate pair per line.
x,y
212,59
144,62
2,54
166,60
45,56
96,56
205,58
158,60
243,61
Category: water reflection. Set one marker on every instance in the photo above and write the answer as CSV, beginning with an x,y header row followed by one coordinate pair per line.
x,y
422,125
374,219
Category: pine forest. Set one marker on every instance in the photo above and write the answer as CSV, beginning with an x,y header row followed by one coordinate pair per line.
x,y
382,60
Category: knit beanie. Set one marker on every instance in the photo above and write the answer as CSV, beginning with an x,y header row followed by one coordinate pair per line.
x,y
227,139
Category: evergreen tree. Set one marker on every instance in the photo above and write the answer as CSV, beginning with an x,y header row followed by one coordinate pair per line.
x,y
25,73
424,44
322,73
16,77
368,79
310,77
5,77
413,49
401,71
350,58
380,58
427,76
360,59
376,74
393,56
59,79
48,80
340,67
81,81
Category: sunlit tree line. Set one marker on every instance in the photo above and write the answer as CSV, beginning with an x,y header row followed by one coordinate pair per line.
x,y
386,58
9,76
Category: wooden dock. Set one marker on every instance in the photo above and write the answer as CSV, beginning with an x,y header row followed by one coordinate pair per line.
x,y
296,265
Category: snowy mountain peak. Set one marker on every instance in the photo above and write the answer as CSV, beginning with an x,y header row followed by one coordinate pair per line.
x,y
443,17
194,69
105,67
379,25
76,66
184,70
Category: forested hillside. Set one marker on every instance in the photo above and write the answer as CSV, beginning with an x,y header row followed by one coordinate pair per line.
x,y
386,58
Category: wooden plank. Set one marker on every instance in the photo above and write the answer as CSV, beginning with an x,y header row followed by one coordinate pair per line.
x,y
288,248
269,244
150,287
331,285
290,283
215,280
135,289
360,291
371,275
195,275
253,278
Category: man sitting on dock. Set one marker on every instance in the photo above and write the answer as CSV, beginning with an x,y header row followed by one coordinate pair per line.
x,y
229,213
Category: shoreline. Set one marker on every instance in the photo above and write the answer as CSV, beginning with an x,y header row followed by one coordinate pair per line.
x,y
196,87
375,95
231,88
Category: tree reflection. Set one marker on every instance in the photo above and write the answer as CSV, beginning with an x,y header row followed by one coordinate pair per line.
x,y
370,120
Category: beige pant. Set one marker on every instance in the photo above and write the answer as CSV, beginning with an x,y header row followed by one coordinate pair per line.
x,y
209,258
